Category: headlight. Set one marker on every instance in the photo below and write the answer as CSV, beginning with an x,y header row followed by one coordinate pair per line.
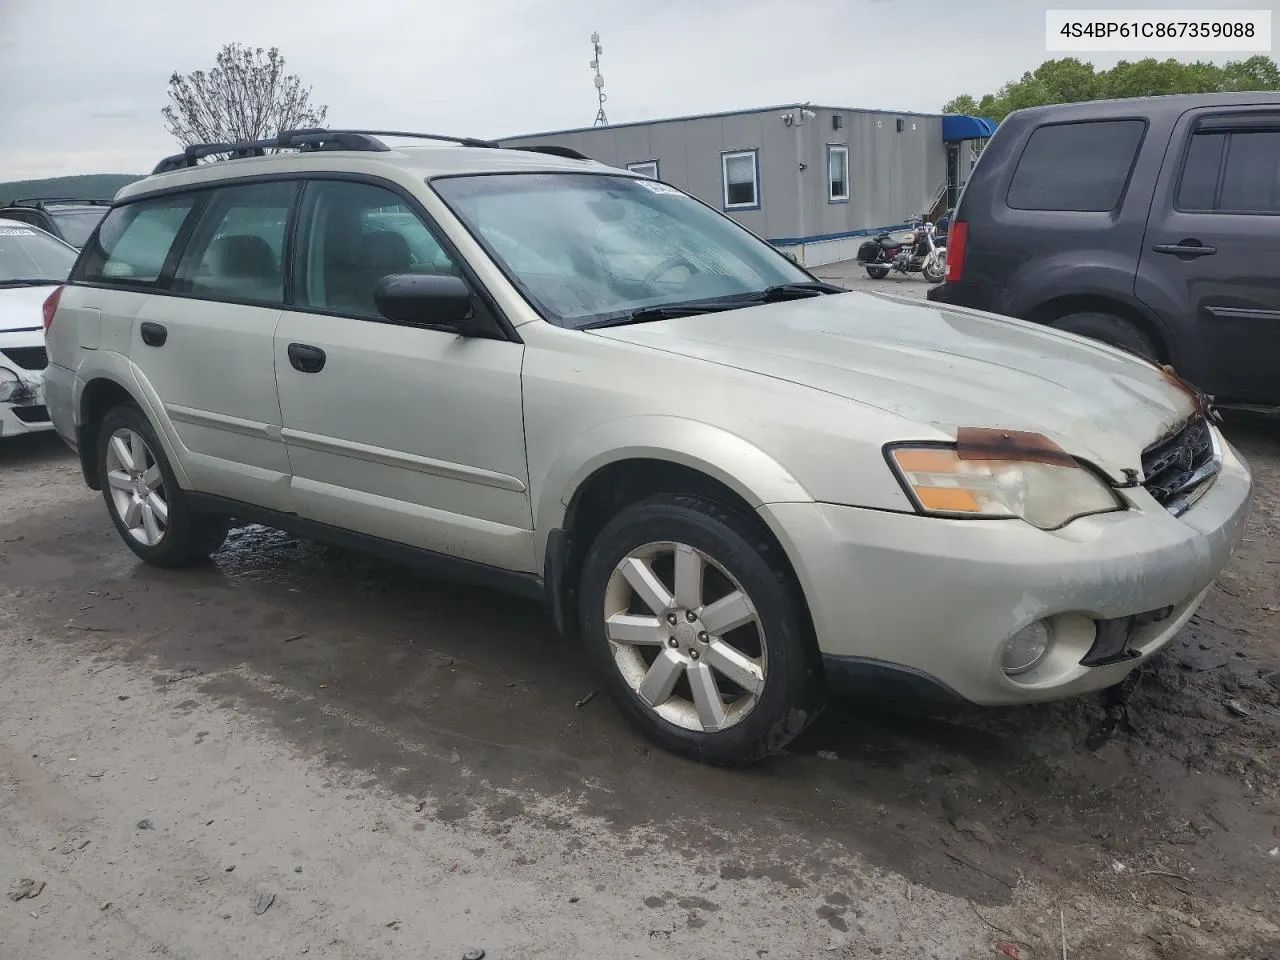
x,y
1048,495
10,384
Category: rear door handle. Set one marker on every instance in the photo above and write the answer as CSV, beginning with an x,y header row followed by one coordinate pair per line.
x,y
1185,249
306,358
153,334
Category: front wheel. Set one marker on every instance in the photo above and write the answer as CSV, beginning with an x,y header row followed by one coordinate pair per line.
x,y
149,509
935,267
694,622
877,273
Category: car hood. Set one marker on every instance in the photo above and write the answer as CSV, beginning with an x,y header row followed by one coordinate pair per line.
x,y
941,367
21,307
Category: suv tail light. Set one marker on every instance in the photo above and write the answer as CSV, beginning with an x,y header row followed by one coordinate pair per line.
x,y
957,234
51,307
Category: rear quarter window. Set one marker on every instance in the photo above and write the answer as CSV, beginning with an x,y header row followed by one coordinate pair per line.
x,y
133,242
1080,167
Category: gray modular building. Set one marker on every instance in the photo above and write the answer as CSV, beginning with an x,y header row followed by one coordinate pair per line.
x,y
812,180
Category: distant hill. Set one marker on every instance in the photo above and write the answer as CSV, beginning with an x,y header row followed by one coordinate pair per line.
x,y
92,186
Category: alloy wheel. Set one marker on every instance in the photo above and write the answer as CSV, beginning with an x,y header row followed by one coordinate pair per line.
x,y
685,636
137,487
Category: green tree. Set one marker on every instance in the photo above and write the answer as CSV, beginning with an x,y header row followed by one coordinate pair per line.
x,y
1070,81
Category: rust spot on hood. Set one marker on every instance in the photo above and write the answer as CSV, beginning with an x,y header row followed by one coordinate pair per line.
x,y
984,443
1202,400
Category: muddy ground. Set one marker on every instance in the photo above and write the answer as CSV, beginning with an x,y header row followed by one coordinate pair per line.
x,y
405,768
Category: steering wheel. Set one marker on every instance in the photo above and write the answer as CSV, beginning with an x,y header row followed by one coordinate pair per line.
x,y
669,264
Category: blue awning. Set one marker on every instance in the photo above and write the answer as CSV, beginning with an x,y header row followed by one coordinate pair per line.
x,y
967,128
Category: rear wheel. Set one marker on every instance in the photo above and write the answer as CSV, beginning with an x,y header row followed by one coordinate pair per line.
x,y
1111,329
877,273
146,504
697,630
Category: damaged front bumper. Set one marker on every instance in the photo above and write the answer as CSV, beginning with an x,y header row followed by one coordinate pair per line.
x,y
23,410
933,602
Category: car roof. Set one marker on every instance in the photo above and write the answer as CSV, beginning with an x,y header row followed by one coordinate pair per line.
x,y
1145,106
421,162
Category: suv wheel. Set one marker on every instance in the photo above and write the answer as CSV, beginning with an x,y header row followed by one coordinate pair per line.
x,y
1107,327
144,500
692,619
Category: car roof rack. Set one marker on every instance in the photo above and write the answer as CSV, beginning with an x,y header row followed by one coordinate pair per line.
x,y
555,150
45,201
315,138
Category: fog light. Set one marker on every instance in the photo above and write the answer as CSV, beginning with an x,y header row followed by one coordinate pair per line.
x,y
1025,648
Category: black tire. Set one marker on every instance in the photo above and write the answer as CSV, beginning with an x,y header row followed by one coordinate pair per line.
x,y
1110,329
877,273
188,537
792,694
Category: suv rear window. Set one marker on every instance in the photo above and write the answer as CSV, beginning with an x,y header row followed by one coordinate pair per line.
x,y
133,241
1076,166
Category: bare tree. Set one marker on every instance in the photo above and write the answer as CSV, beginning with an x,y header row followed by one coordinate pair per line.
x,y
246,96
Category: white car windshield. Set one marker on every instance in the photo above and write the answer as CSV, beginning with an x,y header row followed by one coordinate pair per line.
x,y
29,257
588,247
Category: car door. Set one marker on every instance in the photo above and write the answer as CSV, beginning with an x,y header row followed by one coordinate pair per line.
x,y
206,347
404,433
1212,246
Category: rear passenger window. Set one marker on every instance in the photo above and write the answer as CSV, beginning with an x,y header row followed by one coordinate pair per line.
x,y
1199,187
1233,171
237,249
1076,166
134,240
1251,181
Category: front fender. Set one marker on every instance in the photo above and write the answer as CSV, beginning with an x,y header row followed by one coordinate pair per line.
x,y
721,455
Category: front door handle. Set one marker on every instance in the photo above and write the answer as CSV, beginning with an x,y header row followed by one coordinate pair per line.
x,y
306,358
153,334
1187,249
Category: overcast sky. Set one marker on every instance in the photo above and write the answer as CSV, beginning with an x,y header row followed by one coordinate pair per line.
x,y
84,95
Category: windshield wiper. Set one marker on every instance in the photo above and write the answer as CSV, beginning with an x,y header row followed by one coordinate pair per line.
x,y
691,308
794,291
29,282
666,311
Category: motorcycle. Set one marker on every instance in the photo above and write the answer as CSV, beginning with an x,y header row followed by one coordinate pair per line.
x,y
918,252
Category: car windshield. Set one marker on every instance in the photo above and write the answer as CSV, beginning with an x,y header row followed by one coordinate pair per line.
x,y
30,257
76,223
589,247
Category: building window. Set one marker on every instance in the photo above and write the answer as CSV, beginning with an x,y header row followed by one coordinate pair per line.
x,y
646,168
837,173
741,179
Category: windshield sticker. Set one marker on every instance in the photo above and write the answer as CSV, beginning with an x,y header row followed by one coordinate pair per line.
x,y
655,187
16,232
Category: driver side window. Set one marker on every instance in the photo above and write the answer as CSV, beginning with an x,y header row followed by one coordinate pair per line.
x,y
351,235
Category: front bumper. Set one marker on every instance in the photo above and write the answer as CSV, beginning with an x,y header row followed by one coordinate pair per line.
x,y
28,413
932,601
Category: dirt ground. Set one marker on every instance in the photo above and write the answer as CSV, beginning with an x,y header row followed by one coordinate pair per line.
x,y
299,751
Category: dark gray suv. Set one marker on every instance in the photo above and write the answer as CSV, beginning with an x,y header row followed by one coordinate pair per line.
x,y
1151,224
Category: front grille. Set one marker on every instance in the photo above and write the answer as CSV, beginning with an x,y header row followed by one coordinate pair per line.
x,y
28,358
36,413
1179,468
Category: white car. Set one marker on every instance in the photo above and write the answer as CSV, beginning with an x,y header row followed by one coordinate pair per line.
x,y
739,486
31,262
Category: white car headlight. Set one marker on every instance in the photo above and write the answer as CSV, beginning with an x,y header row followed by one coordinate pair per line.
x,y
10,384
941,482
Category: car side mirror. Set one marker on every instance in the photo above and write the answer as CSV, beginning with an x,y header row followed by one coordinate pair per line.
x,y
428,300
